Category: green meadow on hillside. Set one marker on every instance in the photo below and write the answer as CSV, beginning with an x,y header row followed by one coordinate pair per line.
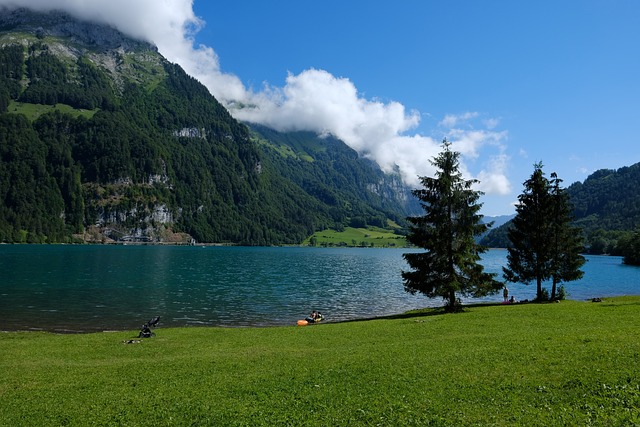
x,y
33,111
358,237
570,363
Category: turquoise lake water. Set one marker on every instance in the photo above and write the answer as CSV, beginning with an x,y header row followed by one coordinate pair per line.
x,y
91,288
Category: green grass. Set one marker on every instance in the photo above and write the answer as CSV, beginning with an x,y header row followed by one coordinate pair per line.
x,y
571,363
145,69
33,111
366,237
282,149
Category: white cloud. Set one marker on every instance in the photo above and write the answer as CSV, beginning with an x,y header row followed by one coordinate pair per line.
x,y
492,174
169,24
313,100
162,22
452,120
493,179
492,123
470,142
318,101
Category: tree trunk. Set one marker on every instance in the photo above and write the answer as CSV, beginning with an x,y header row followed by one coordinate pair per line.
x,y
452,300
539,289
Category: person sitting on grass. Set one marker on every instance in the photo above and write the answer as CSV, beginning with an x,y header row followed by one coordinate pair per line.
x,y
145,332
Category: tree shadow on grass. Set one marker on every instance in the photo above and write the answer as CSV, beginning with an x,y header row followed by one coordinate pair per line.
x,y
439,311
435,311
413,314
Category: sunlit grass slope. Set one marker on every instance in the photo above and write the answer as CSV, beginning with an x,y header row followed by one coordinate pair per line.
x,y
358,237
33,111
571,363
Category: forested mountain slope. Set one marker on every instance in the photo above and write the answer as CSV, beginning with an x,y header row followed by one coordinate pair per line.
x,y
606,207
354,188
608,199
102,138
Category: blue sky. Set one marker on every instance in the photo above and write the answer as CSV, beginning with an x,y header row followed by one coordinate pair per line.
x,y
561,78
510,83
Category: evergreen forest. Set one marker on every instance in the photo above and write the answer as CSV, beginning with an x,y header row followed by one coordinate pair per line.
x,y
131,148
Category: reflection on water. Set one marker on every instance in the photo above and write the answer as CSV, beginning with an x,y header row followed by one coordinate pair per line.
x,y
81,288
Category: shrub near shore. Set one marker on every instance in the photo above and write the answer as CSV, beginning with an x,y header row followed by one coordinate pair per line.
x,y
572,363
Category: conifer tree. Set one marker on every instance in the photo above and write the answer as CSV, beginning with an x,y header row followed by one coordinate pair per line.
x,y
544,244
630,247
566,259
450,265
528,257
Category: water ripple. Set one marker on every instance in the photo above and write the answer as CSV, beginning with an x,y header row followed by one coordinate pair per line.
x,y
84,288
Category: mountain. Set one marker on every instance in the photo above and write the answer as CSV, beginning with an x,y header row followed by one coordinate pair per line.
x,y
606,207
608,199
496,222
101,138
332,172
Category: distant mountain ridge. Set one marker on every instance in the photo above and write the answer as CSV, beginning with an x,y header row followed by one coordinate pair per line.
x,y
103,139
606,206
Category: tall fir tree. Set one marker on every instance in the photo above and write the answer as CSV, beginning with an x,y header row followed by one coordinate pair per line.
x,y
527,260
450,266
544,244
566,258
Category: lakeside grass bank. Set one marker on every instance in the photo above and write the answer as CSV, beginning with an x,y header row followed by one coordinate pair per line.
x,y
571,363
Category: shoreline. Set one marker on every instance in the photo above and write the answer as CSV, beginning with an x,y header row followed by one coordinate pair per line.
x,y
73,331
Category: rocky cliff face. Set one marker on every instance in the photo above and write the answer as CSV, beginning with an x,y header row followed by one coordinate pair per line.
x,y
59,24
126,59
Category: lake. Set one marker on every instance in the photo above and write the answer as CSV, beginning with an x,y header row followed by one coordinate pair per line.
x,y
79,288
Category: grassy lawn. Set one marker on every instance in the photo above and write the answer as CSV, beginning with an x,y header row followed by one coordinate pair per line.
x,y
571,363
361,237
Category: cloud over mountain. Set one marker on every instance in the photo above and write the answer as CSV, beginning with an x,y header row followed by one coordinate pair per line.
x,y
313,100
